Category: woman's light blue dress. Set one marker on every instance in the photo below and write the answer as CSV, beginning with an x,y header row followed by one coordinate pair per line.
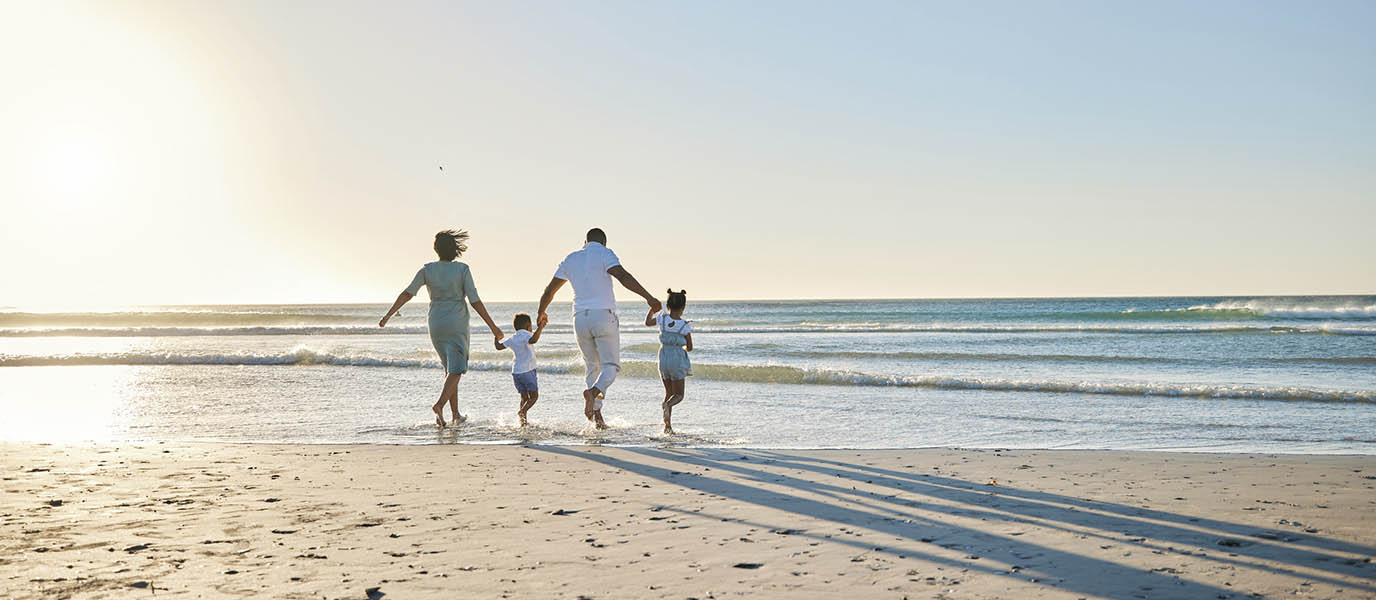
x,y
450,284
673,357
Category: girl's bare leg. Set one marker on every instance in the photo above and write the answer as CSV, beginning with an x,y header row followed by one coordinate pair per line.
x,y
664,406
674,390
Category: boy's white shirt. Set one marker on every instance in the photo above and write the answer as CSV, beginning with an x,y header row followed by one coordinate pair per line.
x,y
519,343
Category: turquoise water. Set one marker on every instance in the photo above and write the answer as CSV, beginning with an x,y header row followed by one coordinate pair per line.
x,y
1282,374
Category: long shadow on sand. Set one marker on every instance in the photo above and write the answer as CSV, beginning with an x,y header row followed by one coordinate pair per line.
x,y
905,515
1154,525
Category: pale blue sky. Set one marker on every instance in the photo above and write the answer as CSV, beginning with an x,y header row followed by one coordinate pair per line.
x,y
268,151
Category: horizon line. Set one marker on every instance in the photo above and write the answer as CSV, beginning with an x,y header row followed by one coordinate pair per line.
x,y
810,299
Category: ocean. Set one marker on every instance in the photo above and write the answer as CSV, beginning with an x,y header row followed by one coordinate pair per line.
x,y
1244,374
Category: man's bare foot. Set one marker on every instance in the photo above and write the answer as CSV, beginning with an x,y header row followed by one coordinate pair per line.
x,y
439,416
668,430
597,418
522,416
589,396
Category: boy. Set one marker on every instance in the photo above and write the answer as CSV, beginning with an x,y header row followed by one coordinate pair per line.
x,y
523,367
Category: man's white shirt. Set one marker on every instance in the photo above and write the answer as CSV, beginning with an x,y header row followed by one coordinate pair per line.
x,y
586,269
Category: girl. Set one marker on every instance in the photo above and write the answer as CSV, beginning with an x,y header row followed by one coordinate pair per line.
x,y
450,283
675,342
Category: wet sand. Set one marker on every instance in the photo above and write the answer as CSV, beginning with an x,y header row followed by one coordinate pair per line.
x,y
220,520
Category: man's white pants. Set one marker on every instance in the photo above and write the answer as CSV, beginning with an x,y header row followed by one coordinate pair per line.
x,y
599,337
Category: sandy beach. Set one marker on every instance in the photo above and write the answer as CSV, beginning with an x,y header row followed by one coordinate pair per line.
x,y
216,520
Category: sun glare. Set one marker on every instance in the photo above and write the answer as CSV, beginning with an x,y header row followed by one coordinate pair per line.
x,y
70,404
73,166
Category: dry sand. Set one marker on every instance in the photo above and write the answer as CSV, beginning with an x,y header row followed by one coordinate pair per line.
x,y
213,520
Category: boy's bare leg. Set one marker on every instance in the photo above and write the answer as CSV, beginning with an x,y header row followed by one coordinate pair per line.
x,y
528,400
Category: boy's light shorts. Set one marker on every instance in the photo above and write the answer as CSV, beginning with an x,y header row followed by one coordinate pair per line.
x,y
526,382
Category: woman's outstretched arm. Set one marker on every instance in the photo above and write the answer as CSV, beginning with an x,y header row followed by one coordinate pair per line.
x,y
402,299
482,312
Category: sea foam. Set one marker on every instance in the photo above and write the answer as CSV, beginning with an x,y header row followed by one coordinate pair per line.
x,y
773,374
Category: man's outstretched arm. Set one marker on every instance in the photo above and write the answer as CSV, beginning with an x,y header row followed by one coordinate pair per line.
x,y
628,280
554,284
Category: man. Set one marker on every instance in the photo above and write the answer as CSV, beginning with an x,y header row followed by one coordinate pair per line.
x,y
594,314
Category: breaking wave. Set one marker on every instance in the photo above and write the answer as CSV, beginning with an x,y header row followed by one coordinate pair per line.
x,y
772,374
203,331
1324,329
295,357
1254,309
794,375
174,318
1073,358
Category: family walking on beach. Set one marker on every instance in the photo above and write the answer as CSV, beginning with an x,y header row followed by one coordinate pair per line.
x,y
595,323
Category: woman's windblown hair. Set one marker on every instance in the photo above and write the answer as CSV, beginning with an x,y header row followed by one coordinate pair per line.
x,y
677,299
451,244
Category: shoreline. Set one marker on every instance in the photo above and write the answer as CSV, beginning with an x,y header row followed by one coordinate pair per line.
x,y
308,521
659,445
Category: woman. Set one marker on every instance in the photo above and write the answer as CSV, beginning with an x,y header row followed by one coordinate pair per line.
x,y
449,282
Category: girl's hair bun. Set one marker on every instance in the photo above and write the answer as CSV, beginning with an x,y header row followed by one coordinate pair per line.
x,y
677,299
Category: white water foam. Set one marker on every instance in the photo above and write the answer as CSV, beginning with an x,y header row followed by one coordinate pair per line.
x,y
1016,329
776,374
203,331
1280,310
300,356
1327,328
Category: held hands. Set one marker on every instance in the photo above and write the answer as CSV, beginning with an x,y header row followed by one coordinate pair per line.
x,y
498,345
383,322
655,305
542,320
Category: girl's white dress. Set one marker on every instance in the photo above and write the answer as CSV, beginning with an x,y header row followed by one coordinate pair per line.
x,y
673,336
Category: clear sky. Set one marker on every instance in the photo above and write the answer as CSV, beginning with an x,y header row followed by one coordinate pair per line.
x,y
188,152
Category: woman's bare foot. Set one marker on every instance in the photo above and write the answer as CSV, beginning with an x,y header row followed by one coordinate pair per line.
x,y
522,416
439,415
459,419
668,430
